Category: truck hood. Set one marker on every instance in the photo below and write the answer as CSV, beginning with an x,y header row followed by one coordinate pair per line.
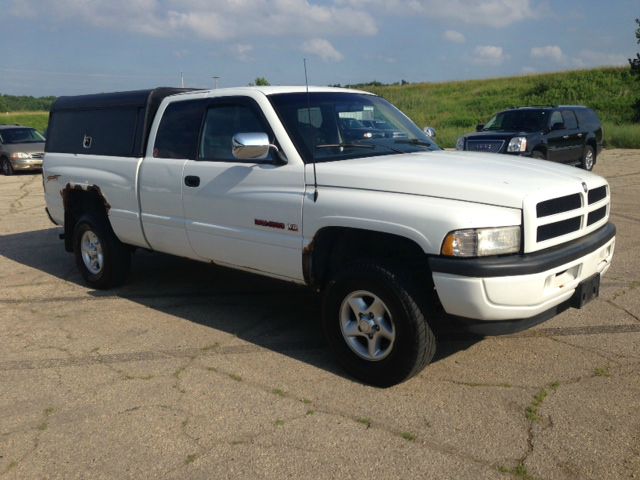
x,y
493,179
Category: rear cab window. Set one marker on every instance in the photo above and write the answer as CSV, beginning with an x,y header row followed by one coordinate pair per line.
x,y
179,130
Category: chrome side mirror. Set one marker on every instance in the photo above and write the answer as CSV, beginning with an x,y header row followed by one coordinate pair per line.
x,y
250,146
430,131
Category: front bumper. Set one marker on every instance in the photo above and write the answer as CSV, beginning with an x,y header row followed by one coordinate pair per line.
x,y
520,286
26,163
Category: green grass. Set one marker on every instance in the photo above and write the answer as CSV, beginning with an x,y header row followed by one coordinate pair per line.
x,y
622,136
408,436
364,421
37,120
455,108
602,372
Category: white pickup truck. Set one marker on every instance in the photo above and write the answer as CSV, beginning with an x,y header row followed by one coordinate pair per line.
x,y
335,189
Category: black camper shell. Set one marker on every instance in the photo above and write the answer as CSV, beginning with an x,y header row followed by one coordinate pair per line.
x,y
113,124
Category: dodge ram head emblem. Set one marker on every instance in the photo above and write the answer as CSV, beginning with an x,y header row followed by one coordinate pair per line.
x,y
584,187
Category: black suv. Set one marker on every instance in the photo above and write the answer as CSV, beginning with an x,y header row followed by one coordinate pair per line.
x,y
566,134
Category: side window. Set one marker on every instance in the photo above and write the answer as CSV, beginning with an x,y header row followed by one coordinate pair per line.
x,y
556,117
179,129
221,123
587,118
569,118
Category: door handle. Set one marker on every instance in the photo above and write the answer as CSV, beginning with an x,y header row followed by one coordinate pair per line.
x,y
579,135
565,137
192,181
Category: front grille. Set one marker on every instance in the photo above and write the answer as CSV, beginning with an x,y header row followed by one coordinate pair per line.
x,y
553,221
37,155
489,146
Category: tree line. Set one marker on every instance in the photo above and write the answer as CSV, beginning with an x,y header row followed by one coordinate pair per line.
x,y
12,103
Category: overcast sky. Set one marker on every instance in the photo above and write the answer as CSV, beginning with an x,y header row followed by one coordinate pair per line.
x,y
66,47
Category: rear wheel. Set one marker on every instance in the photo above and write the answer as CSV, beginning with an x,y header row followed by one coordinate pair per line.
x,y
588,158
6,166
102,259
375,324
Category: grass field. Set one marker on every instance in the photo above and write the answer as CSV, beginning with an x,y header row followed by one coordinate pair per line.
x,y
37,120
455,108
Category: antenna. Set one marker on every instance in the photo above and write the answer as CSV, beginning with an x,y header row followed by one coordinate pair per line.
x,y
313,144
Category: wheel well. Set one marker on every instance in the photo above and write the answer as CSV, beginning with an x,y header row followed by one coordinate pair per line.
x,y
540,148
333,248
592,143
78,200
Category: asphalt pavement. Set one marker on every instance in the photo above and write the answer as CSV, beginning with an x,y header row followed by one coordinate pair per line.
x,y
196,372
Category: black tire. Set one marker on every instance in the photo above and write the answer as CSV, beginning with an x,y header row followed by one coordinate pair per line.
x,y
414,344
539,154
588,158
6,166
115,262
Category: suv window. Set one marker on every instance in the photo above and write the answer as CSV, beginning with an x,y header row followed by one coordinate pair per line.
x,y
221,123
518,120
569,118
556,117
587,117
179,129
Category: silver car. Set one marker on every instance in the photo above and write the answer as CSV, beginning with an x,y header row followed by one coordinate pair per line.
x,y
21,148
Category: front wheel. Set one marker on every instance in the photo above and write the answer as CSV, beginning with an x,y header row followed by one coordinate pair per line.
x,y
588,158
375,325
102,259
6,166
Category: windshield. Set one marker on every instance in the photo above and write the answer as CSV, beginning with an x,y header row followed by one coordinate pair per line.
x,y
341,126
518,121
20,135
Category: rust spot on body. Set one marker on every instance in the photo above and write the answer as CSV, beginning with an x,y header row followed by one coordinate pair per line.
x,y
66,192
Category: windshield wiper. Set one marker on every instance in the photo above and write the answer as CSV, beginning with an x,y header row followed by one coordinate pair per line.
x,y
414,141
344,145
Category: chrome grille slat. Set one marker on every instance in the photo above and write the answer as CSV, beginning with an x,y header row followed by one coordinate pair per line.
x,y
488,146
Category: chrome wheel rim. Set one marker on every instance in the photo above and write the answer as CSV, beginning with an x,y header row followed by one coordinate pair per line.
x,y
588,160
367,326
5,167
91,251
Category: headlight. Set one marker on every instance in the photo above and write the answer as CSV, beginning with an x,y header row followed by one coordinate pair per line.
x,y
17,155
480,242
460,144
517,144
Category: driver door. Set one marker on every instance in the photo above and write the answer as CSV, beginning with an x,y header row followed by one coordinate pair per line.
x,y
246,214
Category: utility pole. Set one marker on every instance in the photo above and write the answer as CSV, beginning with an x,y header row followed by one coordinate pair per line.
x,y
215,81
181,80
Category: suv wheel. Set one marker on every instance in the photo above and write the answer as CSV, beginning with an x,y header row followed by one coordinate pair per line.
x,y
102,259
538,154
7,169
588,158
375,326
